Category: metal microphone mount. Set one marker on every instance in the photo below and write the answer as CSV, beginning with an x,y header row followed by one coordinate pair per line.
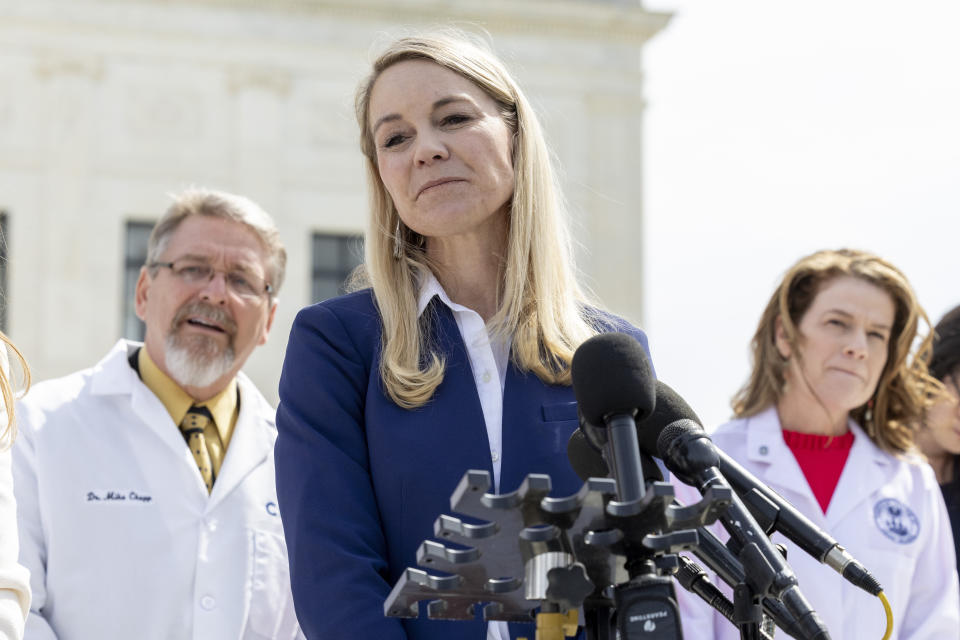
x,y
533,557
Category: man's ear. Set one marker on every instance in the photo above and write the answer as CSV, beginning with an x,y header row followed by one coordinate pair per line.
x,y
266,328
780,339
142,291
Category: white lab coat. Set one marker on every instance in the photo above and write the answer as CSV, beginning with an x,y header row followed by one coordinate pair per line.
x,y
116,526
870,515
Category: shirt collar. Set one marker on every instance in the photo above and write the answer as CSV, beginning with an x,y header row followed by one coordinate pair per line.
x,y
430,287
223,406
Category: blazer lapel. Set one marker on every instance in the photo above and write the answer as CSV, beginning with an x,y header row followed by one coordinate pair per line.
x,y
538,419
459,389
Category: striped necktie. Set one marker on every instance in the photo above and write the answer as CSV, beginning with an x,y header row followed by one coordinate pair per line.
x,y
201,435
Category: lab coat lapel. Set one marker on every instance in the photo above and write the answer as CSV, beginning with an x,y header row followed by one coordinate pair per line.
x,y
866,469
114,376
249,446
776,464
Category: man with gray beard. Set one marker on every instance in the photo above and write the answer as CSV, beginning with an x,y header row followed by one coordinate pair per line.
x,y
145,485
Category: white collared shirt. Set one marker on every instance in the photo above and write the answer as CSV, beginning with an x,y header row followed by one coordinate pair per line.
x,y
488,361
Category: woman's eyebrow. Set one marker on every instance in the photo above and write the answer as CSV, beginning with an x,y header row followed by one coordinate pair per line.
x,y
390,117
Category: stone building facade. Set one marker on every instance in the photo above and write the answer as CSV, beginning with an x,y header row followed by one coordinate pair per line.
x,y
108,105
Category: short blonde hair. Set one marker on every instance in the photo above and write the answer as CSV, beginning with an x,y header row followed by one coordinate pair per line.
x,y
541,305
904,386
228,206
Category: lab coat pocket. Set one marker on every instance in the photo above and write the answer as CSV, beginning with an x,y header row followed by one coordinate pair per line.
x,y
271,604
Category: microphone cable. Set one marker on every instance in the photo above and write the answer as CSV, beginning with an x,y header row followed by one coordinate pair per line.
x,y
855,573
889,613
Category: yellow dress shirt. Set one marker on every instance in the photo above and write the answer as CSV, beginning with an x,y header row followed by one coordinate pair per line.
x,y
224,407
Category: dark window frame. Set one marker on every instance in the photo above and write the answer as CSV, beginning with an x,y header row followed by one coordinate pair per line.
x,y
326,271
132,327
4,280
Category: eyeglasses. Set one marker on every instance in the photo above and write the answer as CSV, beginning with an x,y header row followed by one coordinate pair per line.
x,y
194,272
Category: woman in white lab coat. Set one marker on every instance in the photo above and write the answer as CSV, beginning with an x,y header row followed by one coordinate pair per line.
x,y
14,578
825,420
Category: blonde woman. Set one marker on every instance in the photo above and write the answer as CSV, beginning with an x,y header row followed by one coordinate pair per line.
x,y
826,420
14,578
456,357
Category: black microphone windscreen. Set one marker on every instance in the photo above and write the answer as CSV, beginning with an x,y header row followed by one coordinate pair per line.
x,y
586,461
669,408
611,374
673,431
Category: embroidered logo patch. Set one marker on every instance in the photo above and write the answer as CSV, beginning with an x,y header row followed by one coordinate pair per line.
x,y
896,521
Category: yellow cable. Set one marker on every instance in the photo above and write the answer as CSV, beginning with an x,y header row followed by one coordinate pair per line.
x,y
889,612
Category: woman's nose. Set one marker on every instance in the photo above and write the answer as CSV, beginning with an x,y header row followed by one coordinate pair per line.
x,y
857,345
430,148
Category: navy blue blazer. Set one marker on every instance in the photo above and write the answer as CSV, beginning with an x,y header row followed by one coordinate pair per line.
x,y
361,480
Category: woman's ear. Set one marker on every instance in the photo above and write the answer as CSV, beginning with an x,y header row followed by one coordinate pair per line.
x,y
780,339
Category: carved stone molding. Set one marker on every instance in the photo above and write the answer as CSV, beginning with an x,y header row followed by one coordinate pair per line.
x,y
622,20
52,64
242,78
164,115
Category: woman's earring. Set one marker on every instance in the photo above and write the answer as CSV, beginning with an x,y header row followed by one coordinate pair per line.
x,y
397,242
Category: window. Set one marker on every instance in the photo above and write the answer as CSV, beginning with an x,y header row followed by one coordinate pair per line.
x,y
135,254
4,291
334,257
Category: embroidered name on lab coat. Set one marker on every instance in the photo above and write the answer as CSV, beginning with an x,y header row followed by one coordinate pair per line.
x,y
896,521
118,496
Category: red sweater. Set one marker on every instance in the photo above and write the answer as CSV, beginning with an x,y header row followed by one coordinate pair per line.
x,y
821,458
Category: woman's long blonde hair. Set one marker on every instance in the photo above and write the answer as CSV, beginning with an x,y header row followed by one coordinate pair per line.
x,y
904,387
541,305
9,432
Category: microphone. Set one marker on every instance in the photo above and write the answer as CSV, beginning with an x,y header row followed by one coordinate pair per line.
x,y
762,501
585,450
614,387
587,462
689,453
586,459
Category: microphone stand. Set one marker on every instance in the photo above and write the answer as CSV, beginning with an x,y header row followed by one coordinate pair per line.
x,y
722,562
530,551
610,548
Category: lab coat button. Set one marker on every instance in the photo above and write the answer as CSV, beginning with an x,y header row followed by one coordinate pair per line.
x,y
764,450
208,602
